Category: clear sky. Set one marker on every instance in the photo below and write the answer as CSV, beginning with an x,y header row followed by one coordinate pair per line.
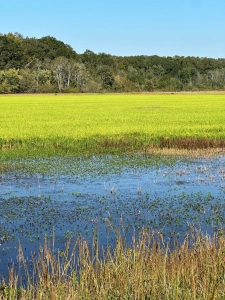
x,y
123,27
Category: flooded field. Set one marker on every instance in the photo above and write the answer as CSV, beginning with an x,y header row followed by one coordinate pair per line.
x,y
63,198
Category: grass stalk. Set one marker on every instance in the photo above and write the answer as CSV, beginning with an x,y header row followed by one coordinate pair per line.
x,y
147,269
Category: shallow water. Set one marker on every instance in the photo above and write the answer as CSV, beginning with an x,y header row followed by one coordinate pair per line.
x,y
98,194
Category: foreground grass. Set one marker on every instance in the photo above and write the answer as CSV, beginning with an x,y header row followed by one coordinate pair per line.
x,y
145,270
49,125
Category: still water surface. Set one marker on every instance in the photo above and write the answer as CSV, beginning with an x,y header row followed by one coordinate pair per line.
x,y
101,194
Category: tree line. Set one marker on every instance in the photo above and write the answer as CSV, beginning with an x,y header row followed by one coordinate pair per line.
x,y
46,65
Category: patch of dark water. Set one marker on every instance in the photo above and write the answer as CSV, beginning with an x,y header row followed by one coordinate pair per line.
x,y
86,197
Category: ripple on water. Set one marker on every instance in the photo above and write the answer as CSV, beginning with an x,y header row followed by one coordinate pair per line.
x,y
79,196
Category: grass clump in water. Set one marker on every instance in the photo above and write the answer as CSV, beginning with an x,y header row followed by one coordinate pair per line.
x,y
146,269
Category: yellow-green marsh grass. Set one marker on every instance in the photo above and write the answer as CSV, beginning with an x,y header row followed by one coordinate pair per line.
x,y
109,123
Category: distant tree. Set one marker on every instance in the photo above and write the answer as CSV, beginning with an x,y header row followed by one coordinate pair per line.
x,y
132,74
10,81
67,72
90,60
28,82
62,71
4,85
56,48
158,70
106,76
82,77
47,64
149,86
11,52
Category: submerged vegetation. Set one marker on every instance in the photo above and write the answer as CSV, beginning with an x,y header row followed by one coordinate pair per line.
x,y
158,229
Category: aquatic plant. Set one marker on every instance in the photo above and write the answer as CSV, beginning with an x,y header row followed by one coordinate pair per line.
x,y
145,269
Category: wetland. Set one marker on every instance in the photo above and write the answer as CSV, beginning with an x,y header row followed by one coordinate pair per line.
x,y
107,196
62,198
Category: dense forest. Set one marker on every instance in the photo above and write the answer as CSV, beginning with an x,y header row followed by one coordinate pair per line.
x,y
31,65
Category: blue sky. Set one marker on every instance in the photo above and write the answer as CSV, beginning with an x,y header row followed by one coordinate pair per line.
x,y
122,27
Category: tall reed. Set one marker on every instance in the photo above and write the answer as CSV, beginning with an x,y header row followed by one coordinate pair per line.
x,y
146,269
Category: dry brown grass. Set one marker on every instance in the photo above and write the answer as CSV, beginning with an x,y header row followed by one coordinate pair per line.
x,y
204,153
187,147
147,270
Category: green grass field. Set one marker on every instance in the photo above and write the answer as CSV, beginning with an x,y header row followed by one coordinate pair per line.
x,y
40,125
